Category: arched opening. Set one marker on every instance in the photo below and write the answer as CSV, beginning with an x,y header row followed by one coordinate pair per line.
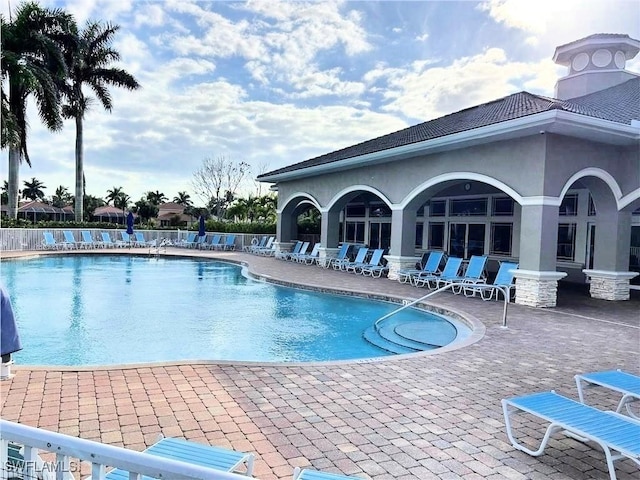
x,y
364,218
299,219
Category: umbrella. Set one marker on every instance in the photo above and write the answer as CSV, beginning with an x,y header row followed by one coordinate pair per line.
x,y
130,223
201,232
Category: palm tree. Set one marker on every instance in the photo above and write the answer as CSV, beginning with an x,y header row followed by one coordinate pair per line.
x,y
156,198
32,63
122,201
183,198
89,64
33,190
112,195
62,197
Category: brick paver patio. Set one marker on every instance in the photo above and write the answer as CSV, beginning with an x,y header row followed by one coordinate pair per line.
x,y
410,417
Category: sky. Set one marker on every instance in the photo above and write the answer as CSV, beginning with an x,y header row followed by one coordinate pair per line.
x,y
272,83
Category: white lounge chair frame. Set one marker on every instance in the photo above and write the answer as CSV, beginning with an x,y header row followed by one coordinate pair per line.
x,y
616,434
617,380
307,474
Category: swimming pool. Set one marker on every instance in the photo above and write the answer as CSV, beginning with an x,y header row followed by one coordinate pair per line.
x,y
82,310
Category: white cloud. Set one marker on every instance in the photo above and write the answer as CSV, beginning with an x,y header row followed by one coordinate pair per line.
x,y
427,93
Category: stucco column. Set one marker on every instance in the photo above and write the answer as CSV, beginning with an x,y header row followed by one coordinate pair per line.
x,y
403,233
329,236
610,276
286,228
536,278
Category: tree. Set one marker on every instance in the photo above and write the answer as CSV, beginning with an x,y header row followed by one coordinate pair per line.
x,y
90,205
183,198
145,209
218,179
62,197
32,64
122,201
156,198
33,190
112,195
89,61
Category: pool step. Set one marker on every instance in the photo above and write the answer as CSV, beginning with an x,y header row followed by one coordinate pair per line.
x,y
399,336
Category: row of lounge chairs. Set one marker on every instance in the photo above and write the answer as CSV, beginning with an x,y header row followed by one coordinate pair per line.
x,y
618,435
203,242
368,262
299,253
87,241
265,246
470,281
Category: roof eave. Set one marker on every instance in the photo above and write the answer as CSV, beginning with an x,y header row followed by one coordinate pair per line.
x,y
553,121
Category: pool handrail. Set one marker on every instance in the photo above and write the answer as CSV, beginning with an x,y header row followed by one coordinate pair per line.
x,y
406,304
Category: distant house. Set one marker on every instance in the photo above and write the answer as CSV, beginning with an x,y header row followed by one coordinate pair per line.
x,y
172,215
109,214
37,211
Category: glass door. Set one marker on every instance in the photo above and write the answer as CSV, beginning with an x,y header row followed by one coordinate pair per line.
x,y
466,239
379,235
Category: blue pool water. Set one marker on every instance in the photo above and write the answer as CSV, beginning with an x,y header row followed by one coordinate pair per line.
x,y
106,310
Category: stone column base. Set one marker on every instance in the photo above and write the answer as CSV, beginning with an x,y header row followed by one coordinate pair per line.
x,y
396,263
283,246
607,285
537,289
325,254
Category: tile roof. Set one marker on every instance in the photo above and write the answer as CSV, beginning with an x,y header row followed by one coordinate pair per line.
x,y
620,104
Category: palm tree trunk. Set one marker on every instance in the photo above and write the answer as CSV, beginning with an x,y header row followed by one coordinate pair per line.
x,y
78,208
12,191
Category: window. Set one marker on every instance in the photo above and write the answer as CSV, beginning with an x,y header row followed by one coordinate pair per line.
x,y
355,211
420,212
503,206
592,207
355,232
472,207
566,241
437,208
419,234
436,236
569,205
501,238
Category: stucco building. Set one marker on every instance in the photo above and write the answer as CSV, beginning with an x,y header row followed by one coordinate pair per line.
x,y
552,183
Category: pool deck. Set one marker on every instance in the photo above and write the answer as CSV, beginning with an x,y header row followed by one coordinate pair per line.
x,y
409,417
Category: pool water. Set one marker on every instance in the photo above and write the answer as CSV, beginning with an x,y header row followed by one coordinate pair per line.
x,y
80,310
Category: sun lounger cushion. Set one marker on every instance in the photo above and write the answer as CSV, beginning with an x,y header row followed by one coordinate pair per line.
x,y
195,453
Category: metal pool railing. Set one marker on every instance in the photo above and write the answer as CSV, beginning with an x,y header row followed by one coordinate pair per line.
x,y
407,304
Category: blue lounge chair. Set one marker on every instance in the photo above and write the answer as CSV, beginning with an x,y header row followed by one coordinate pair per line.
x,y
293,256
622,382
307,474
359,260
375,268
187,242
430,267
340,257
49,242
229,242
107,242
140,241
374,260
87,240
282,255
268,247
450,270
214,244
617,435
473,274
126,239
255,244
198,454
200,241
69,239
309,258
502,282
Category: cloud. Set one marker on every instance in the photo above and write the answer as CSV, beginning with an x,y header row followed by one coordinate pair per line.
x,y
424,91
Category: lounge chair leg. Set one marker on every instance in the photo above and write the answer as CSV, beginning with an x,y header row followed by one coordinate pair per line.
x,y
553,428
